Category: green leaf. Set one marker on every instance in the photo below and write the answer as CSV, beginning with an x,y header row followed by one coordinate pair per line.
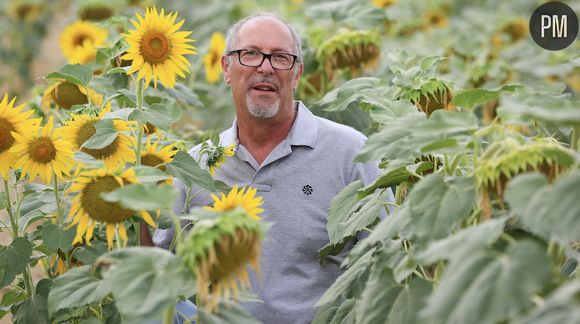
x,y
75,73
461,243
105,135
348,216
413,297
392,110
185,168
471,98
372,91
436,206
488,286
43,287
32,310
159,115
441,144
143,196
13,259
145,281
378,296
88,254
562,306
184,94
524,107
343,285
122,114
12,297
227,313
550,211
55,237
150,174
76,287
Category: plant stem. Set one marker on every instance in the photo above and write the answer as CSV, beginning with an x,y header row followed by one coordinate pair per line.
x,y
575,138
139,123
57,199
169,314
28,281
13,220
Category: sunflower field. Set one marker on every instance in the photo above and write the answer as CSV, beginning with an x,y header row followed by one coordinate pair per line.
x,y
477,129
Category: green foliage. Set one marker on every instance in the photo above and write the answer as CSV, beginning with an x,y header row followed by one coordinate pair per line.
x,y
13,259
75,73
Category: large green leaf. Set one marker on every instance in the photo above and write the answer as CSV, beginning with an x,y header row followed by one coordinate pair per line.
x,y
75,73
76,287
550,211
157,114
412,298
13,259
54,237
411,135
488,286
379,294
523,107
461,243
185,168
88,254
150,174
145,281
105,135
32,310
562,306
437,206
472,97
143,196
370,90
343,286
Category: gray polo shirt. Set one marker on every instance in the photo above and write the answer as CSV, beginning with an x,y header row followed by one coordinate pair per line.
x,y
297,181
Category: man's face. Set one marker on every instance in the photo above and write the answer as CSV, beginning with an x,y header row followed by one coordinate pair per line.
x,y
262,91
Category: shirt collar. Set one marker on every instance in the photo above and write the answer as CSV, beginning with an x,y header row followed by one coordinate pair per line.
x,y
304,131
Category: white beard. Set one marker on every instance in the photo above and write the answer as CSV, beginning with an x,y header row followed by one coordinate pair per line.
x,y
263,110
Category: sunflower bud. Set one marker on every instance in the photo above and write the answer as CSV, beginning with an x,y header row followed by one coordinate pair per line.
x,y
217,252
350,49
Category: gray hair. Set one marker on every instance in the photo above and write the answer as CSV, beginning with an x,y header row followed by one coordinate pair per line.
x,y
233,32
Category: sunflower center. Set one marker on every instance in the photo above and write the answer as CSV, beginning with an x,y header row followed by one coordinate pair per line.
x,y
79,39
153,160
154,47
214,58
6,139
85,132
99,209
67,95
42,150
149,128
232,253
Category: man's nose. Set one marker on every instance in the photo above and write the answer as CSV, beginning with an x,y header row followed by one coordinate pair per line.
x,y
266,66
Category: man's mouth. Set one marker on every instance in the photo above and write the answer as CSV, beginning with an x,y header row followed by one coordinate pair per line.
x,y
264,87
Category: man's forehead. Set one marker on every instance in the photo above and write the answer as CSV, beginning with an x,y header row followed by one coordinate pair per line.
x,y
262,26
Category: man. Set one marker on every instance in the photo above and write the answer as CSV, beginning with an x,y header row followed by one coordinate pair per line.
x,y
298,162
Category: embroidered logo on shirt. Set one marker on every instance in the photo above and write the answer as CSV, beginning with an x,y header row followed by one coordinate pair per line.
x,y
307,190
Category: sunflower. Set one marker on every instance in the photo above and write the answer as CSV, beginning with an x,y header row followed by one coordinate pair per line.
x,y
216,155
88,208
42,153
217,251
12,120
78,130
157,158
351,49
244,198
79,41
65,94
211,60
384,3
96,10
157,48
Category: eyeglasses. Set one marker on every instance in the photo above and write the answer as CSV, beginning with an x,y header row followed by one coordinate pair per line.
x,y
254,58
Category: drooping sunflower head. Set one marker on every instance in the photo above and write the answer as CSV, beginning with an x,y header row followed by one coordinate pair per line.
x,y
350,49
89,209
12,120
82,127
436,18
216,155
24,10
96,10
65,94
212,60
79,41
244,198
157,48
217,252
157,158
430,95
504,159
42,153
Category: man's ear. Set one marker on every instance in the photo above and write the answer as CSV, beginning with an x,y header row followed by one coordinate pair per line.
x,y
297,75
226,69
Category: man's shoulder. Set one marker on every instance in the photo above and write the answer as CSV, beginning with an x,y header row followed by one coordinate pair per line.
x,y
338,133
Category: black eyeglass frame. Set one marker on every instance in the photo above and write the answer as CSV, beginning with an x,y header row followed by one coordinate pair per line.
x,y
264,57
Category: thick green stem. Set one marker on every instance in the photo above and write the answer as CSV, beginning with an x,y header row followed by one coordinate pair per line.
x,y
575,138
57,199
28,281
139,123
169,314
13,220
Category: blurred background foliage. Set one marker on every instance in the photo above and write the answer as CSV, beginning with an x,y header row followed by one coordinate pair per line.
x,y
483,44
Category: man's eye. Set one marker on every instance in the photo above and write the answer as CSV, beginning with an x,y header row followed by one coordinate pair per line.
x,y
250,54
